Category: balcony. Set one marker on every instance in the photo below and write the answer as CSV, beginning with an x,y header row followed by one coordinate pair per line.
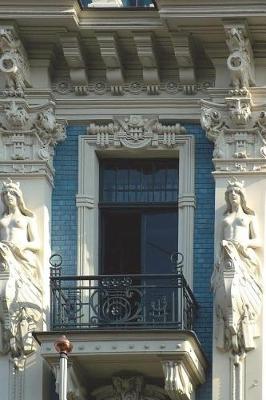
x,y
121,302
136,328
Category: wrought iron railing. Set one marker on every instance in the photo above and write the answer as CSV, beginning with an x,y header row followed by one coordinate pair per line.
x,y
121,301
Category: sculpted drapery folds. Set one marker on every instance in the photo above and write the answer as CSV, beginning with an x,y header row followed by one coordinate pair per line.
x,y
236,279
21,296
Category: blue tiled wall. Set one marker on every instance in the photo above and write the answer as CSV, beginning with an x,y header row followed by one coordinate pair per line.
x,y
64,225
203,247
64,211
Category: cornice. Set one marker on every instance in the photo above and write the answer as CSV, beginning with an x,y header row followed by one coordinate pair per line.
x,y
82,109
210,9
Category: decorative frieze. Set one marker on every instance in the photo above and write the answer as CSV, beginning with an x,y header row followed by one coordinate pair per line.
x,y
13,62
135,132
135,88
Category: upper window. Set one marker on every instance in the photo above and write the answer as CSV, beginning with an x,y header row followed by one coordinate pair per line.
x,y
139,224
123,3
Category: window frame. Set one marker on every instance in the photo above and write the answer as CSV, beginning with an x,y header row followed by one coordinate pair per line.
x,y
87,199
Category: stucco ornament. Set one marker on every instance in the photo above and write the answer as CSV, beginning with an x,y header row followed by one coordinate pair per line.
x,y
13,62
178,383
240,60
238,129
129,388
135,131
236,280
20,289
28,135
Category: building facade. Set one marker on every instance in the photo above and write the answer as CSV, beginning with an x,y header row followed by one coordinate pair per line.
x,y
133,173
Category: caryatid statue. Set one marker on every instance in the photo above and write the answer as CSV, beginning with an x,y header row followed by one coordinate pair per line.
x,y
236,280
20,284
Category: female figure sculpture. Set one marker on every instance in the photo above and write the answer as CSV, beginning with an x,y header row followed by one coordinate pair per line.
x,y
20,291
18,233
236,279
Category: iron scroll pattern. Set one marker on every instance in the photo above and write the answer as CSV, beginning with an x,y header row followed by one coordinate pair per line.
x,y
121,301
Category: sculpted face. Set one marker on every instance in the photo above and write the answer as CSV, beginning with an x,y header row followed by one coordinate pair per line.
x,y
234,196
10,199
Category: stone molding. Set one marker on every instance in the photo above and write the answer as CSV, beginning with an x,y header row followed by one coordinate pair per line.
x,y
146,136
174,358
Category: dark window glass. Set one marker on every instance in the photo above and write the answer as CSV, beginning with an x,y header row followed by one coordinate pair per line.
x,y
138,203
139,181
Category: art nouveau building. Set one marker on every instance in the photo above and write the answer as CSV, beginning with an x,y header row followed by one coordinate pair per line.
x,y
133,151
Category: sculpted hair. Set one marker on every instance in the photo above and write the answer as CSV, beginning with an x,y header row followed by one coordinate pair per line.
x,y
20,202
243,202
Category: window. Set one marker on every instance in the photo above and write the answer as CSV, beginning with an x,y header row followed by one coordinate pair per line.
x,y
154,144
138,215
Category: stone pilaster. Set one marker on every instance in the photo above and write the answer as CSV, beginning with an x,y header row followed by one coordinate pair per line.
x,y
28,135
237,126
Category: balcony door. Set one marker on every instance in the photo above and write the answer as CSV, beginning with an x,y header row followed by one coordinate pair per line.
x,y
138,214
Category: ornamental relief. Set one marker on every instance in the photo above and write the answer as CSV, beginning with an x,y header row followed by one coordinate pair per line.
x,y
29,133
135,131
13,63
129,388
237,127
171,87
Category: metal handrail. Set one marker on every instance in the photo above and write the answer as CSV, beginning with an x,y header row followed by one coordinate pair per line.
x,y
121,301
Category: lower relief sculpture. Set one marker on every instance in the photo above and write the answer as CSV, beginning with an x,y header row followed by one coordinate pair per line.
x,y
20,291
237,284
